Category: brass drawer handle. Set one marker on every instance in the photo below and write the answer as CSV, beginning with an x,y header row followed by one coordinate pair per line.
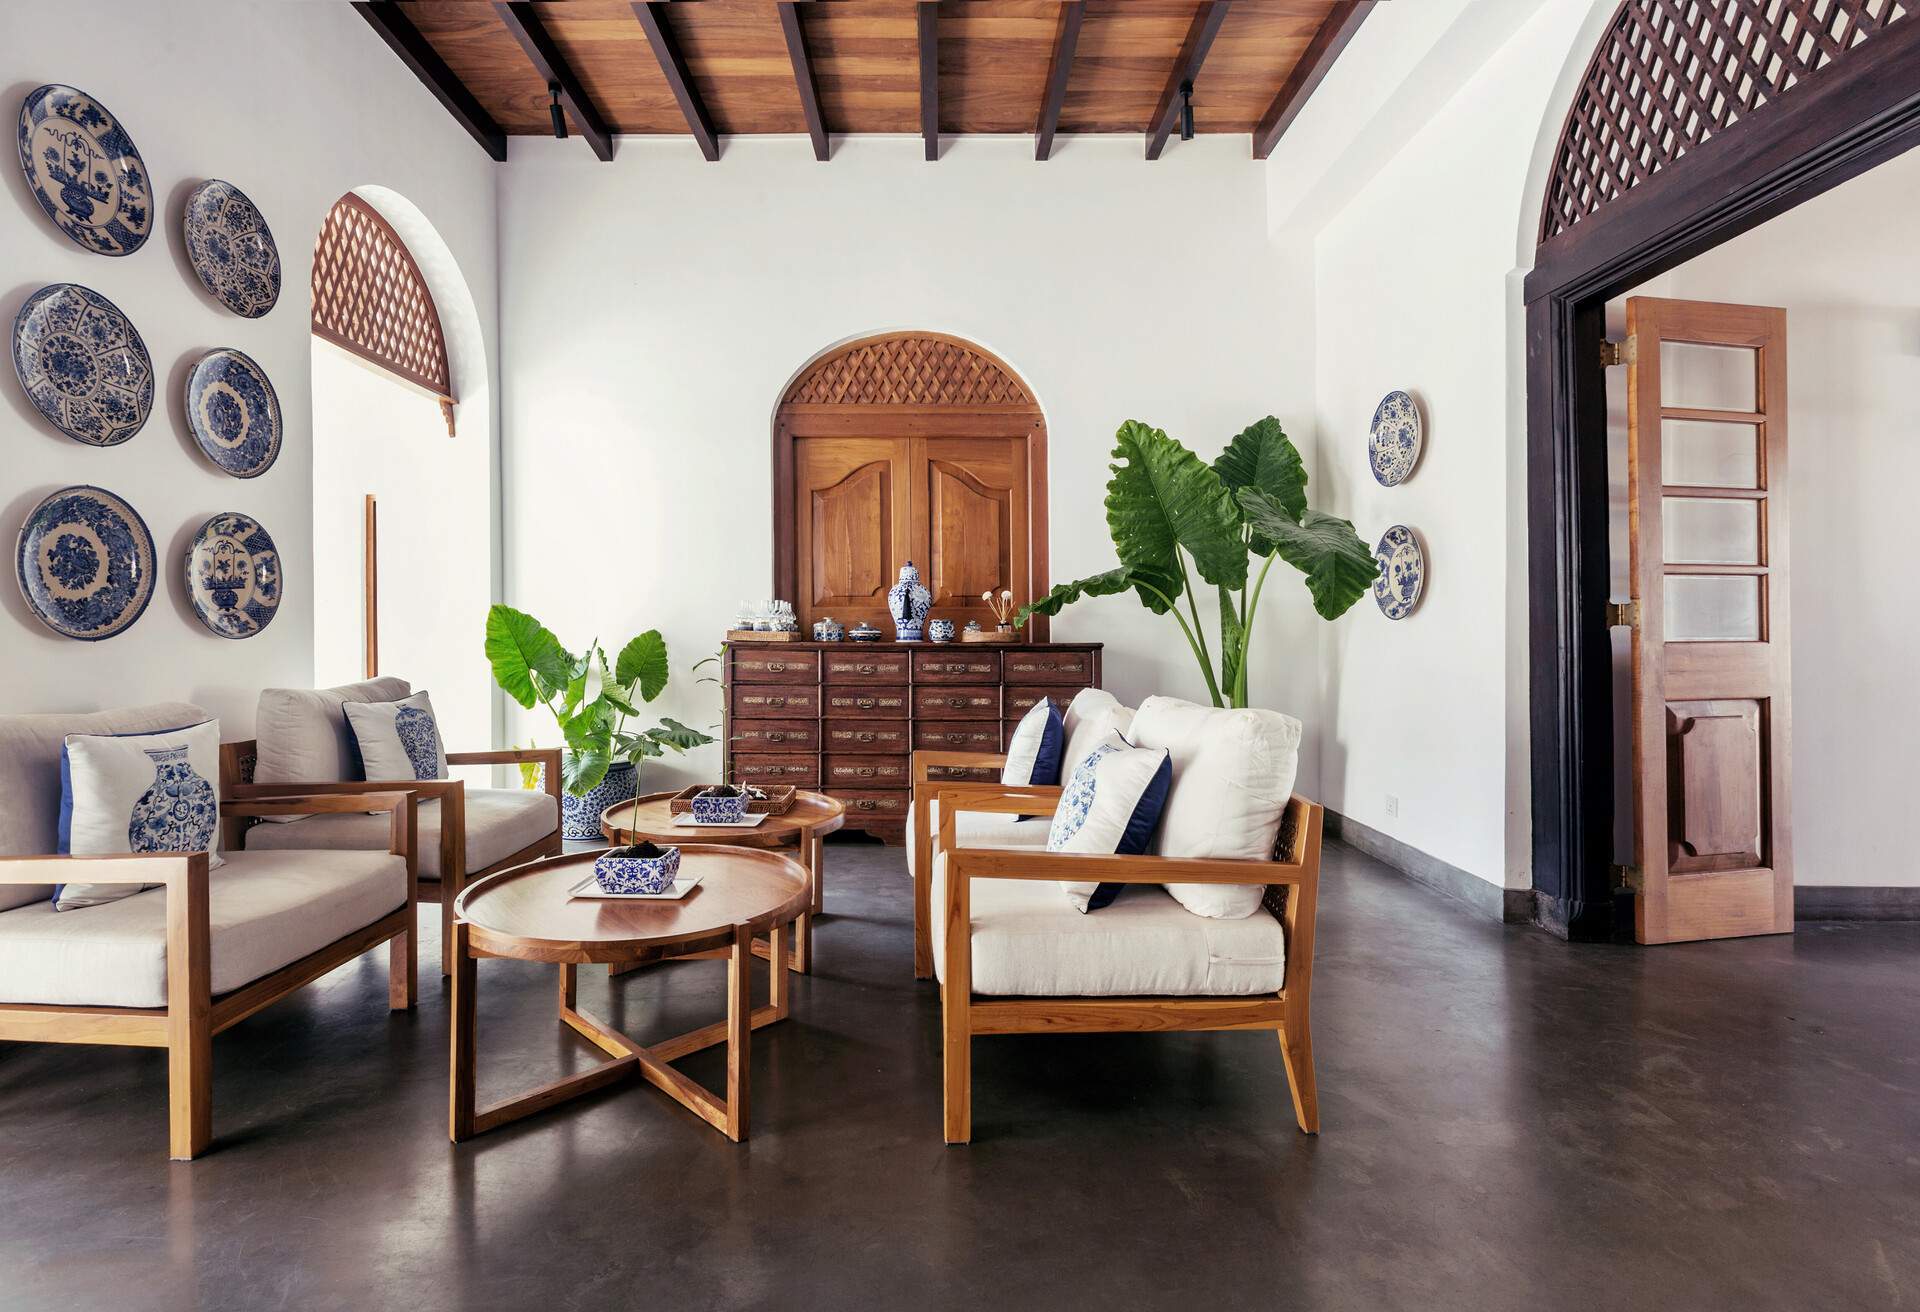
x,y
866,667
864,771
776,701
957,737
866,804
864,703
956,667
775,735
863,737
958,702
776,667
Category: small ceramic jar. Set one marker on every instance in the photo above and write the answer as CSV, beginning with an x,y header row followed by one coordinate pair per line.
x,y
828,630
940,630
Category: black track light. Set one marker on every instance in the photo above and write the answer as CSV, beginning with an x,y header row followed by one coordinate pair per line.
x,y
555,113
1186,111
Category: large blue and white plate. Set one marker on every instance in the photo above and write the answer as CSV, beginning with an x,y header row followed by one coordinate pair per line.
x,y
231,248
83,169
1403,572
1393,439
233,412
85,563
82,364
233,575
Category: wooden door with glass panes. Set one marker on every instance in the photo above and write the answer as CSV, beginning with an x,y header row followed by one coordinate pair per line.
x,y
1712,713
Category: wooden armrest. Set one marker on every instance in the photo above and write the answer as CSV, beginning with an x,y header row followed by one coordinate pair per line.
x,y
1003,799
506,756
925,760
356,803
1089,868
169,868
352,788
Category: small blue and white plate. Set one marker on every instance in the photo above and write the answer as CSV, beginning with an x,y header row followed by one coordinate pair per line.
x,y
231,248
234,413
1393,439
82,167
233,575
1403,572
85,563
82,364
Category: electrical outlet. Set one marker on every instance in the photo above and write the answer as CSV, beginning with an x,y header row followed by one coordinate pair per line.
x,y
1393,805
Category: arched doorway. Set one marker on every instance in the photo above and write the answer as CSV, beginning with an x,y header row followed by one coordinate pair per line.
x,y
908,446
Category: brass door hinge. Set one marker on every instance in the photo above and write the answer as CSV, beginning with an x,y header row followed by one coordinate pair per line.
x,y
1629,878
1613,353
1623,614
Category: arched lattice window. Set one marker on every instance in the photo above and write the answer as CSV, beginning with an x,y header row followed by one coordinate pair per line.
x,y
369,298
1671,74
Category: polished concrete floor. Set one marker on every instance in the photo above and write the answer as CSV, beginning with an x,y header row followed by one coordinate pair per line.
x,y
1508,1122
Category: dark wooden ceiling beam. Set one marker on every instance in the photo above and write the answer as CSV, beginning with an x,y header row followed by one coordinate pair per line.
x,y
653,19
803,77
1186,69
930,76
524,22
404,39
1335,31
1064,40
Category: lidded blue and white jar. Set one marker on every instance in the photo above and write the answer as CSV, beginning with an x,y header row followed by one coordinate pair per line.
x,y
909,601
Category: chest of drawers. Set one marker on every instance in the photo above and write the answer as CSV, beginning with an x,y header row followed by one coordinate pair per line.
x,y
844,719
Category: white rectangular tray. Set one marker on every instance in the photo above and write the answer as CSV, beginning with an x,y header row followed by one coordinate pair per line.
x,y
688,822
590,889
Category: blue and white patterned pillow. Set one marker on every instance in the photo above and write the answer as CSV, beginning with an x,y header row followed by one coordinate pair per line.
x,y
1038,742
147,792
1110,807
398,740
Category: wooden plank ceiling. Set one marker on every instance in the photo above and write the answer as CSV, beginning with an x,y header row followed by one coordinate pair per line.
x,y
1119,65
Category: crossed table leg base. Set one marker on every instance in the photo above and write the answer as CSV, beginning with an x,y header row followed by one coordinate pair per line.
x,y
626,1058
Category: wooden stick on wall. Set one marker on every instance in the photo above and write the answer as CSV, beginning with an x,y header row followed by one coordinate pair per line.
x,y
371,588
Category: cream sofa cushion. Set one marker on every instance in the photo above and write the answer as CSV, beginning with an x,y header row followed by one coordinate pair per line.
x,y
500,821
1028,941
302,734
1233,773
266,910
978,829
30,776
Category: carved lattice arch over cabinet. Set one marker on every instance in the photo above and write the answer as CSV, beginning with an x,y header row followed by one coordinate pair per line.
x,y
1670,75
909,445
370,298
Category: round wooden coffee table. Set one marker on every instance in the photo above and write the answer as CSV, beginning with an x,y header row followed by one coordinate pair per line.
x,y
527,913
812,817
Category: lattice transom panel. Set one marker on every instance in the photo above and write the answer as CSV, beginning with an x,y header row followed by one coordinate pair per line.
x,y
370,298
1671,74
908,369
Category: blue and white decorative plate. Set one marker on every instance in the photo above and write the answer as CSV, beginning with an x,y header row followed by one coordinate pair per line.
x,y
85,563
82,364
82,168
231,248
233,575
1393,442
233,412
1403,572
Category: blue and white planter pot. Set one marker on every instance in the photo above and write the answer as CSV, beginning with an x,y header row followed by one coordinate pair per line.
x,y
719,810
580,816
643,869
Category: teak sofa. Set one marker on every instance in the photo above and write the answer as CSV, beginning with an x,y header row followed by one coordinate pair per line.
x,y
173,966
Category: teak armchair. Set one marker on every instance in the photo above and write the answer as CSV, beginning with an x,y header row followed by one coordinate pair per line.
x,y
1292,879
236,765
186,1025
925,787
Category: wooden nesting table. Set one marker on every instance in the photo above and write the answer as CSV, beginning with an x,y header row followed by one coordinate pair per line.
x,y
812,817
525,913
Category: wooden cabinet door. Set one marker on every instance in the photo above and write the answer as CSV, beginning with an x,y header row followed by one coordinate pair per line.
x,y
853,526
972,522
1707,474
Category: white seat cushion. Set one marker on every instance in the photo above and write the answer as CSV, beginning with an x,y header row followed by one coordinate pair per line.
x,y
500,821
979,829
266,910
1028,941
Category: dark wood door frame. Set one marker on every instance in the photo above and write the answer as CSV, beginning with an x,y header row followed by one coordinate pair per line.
x,y
1861,112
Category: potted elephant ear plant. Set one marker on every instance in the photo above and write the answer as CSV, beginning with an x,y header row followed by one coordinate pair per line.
x,y
595,705
1180,525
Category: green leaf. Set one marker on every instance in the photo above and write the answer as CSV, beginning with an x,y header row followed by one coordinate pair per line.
x,y
1262,457
634,746
1230,638
583,771
528,661
642,665
1340,568
1097,585
619,698
1164,498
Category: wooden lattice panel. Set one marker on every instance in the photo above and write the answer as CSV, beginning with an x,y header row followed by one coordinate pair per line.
x,y
370,298
1672,74
919,369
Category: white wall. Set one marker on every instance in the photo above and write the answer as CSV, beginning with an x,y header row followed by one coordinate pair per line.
x,y
1845,269
315,109
653,310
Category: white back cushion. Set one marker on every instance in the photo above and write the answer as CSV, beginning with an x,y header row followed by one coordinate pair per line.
x,y
122,793
303,735
1034,750
398,740
1091,716
1233,771
1109,806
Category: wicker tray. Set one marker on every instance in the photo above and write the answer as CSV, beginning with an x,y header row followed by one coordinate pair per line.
x,y
759,635
778,801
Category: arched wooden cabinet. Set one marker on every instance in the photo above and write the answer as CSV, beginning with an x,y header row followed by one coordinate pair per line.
x,y
908,446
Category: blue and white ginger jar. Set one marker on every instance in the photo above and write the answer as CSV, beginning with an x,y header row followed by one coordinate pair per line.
x,y
909,601
178,812
580,816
